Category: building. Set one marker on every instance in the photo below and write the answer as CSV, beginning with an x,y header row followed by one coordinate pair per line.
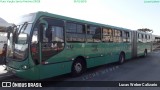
x,y
3,25
3,35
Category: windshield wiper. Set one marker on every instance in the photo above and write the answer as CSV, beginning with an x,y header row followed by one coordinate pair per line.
x,y
25,24
17,31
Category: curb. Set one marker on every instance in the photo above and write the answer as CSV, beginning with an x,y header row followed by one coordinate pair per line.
x,y
6,76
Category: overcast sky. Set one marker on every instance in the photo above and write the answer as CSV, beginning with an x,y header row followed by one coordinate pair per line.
x,y
131,14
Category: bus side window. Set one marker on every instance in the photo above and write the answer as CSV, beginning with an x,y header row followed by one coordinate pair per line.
x,y
35,36
53,38
117,36
126,36
107,35
34,46
142,37
93,34
75,32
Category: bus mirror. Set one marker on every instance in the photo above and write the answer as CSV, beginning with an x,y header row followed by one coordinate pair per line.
x,y
15,35
8,35
9,29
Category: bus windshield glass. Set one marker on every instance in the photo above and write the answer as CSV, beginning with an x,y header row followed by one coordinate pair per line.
x,y
18,41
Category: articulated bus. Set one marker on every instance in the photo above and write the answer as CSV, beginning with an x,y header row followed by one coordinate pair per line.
x,y
44,45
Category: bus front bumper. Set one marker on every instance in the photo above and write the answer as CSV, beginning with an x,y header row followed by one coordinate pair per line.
x,y
30,74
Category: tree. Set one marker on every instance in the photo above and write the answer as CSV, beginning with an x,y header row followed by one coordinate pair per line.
x,y
145,30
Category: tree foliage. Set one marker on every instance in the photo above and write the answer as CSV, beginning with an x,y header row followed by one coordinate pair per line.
x,y
145,30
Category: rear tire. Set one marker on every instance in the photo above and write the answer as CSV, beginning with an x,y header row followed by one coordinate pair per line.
x,y
78,67
121,58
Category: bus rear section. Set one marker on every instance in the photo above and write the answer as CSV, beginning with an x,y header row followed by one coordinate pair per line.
x,y
141,43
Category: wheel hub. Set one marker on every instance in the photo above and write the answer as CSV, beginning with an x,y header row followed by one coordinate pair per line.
x,y
78,67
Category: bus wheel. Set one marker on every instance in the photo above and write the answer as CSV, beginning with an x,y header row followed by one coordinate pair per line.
x,y
78,67
145,53
121,58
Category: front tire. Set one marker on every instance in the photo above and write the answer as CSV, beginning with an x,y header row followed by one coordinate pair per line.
x,y
78,67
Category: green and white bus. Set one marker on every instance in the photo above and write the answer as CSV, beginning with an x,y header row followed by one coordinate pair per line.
x,y
44,45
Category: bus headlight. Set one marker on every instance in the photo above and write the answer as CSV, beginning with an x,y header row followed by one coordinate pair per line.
x,y
24,67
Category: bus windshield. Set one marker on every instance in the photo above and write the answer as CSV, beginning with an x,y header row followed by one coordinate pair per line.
x,y
18,41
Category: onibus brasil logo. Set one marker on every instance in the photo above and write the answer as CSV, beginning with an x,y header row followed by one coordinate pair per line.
x,y
20,84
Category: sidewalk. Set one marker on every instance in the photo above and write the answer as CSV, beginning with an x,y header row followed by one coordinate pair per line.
x,y
3,73
2,69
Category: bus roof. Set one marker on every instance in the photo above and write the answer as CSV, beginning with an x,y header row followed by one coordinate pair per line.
x,y
41,13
